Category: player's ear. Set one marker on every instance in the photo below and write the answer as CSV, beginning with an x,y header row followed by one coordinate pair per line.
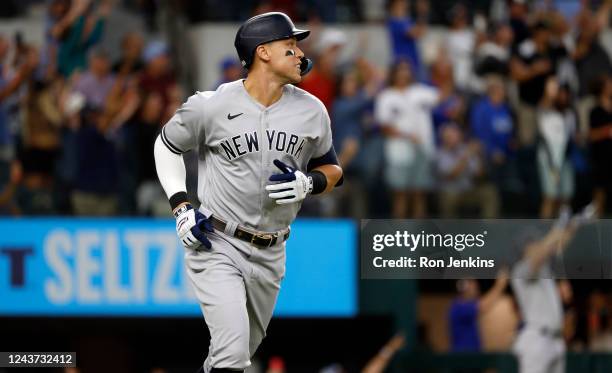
x,y
263,51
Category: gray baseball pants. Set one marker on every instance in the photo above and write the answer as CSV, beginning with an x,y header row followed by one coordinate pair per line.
x,y
236,285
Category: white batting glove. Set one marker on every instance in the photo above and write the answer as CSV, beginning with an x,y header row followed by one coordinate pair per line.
x,y
294,185
190,227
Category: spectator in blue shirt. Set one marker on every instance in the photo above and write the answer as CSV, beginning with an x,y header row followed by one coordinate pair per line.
x,y
404,33
451,107
349,114
95,192
465,309
10,86
492,123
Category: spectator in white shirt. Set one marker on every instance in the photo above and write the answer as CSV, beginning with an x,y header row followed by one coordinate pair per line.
x,y
460,45
556,127
404,111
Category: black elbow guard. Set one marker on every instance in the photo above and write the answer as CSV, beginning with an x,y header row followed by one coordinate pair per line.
x,y
328,158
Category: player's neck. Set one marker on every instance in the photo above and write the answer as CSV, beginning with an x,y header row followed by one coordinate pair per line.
x,y
263,89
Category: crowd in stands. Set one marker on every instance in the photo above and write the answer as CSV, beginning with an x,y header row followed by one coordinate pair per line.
x,y
77,128
512,117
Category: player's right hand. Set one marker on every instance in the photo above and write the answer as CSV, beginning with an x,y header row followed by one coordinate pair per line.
x,y
191,227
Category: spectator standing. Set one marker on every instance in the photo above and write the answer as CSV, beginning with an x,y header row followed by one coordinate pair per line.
x,y
78,31
41,142
12,79
451,107
600,135
518,21
492,124
557,123
130,62
158,76
534,61
460,171
404,111
56,11
96,168
96,83
95,192
349,114
592,60
460,45
467,307
322,80
492,57
122,105
147,125
405,33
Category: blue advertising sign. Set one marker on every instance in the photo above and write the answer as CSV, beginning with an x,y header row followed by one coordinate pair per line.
x,y
134,267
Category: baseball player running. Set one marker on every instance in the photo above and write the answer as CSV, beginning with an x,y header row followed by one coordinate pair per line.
x,y
539,345
263,146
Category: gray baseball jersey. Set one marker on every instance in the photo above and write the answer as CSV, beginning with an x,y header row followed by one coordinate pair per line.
x,y
540,303
238,139
537,296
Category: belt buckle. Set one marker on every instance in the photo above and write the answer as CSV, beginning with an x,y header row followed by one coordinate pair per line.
x,y
264,236
268,236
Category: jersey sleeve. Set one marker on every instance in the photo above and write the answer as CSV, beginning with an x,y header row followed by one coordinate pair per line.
x,y
324,144
185,130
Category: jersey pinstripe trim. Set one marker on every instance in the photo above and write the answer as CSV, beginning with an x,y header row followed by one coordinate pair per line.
x,y
173,148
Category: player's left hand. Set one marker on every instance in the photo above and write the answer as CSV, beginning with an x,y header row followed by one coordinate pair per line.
x,y
291,186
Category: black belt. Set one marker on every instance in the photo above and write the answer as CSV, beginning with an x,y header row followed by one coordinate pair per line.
x,y
265,239
551,333
547,332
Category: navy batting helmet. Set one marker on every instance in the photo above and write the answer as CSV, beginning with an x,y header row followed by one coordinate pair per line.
x,y
265,28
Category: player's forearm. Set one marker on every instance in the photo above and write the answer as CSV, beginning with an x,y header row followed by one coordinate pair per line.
x,y
170,170
332,173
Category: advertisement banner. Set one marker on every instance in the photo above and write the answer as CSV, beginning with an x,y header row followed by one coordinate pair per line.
x,y
134,267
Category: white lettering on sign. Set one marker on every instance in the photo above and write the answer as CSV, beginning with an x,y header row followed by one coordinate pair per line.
x,y
114,292
109,267
88,267
58,246
137,245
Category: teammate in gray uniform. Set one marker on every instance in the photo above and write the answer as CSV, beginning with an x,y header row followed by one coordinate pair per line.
x,y
263,146
539,346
